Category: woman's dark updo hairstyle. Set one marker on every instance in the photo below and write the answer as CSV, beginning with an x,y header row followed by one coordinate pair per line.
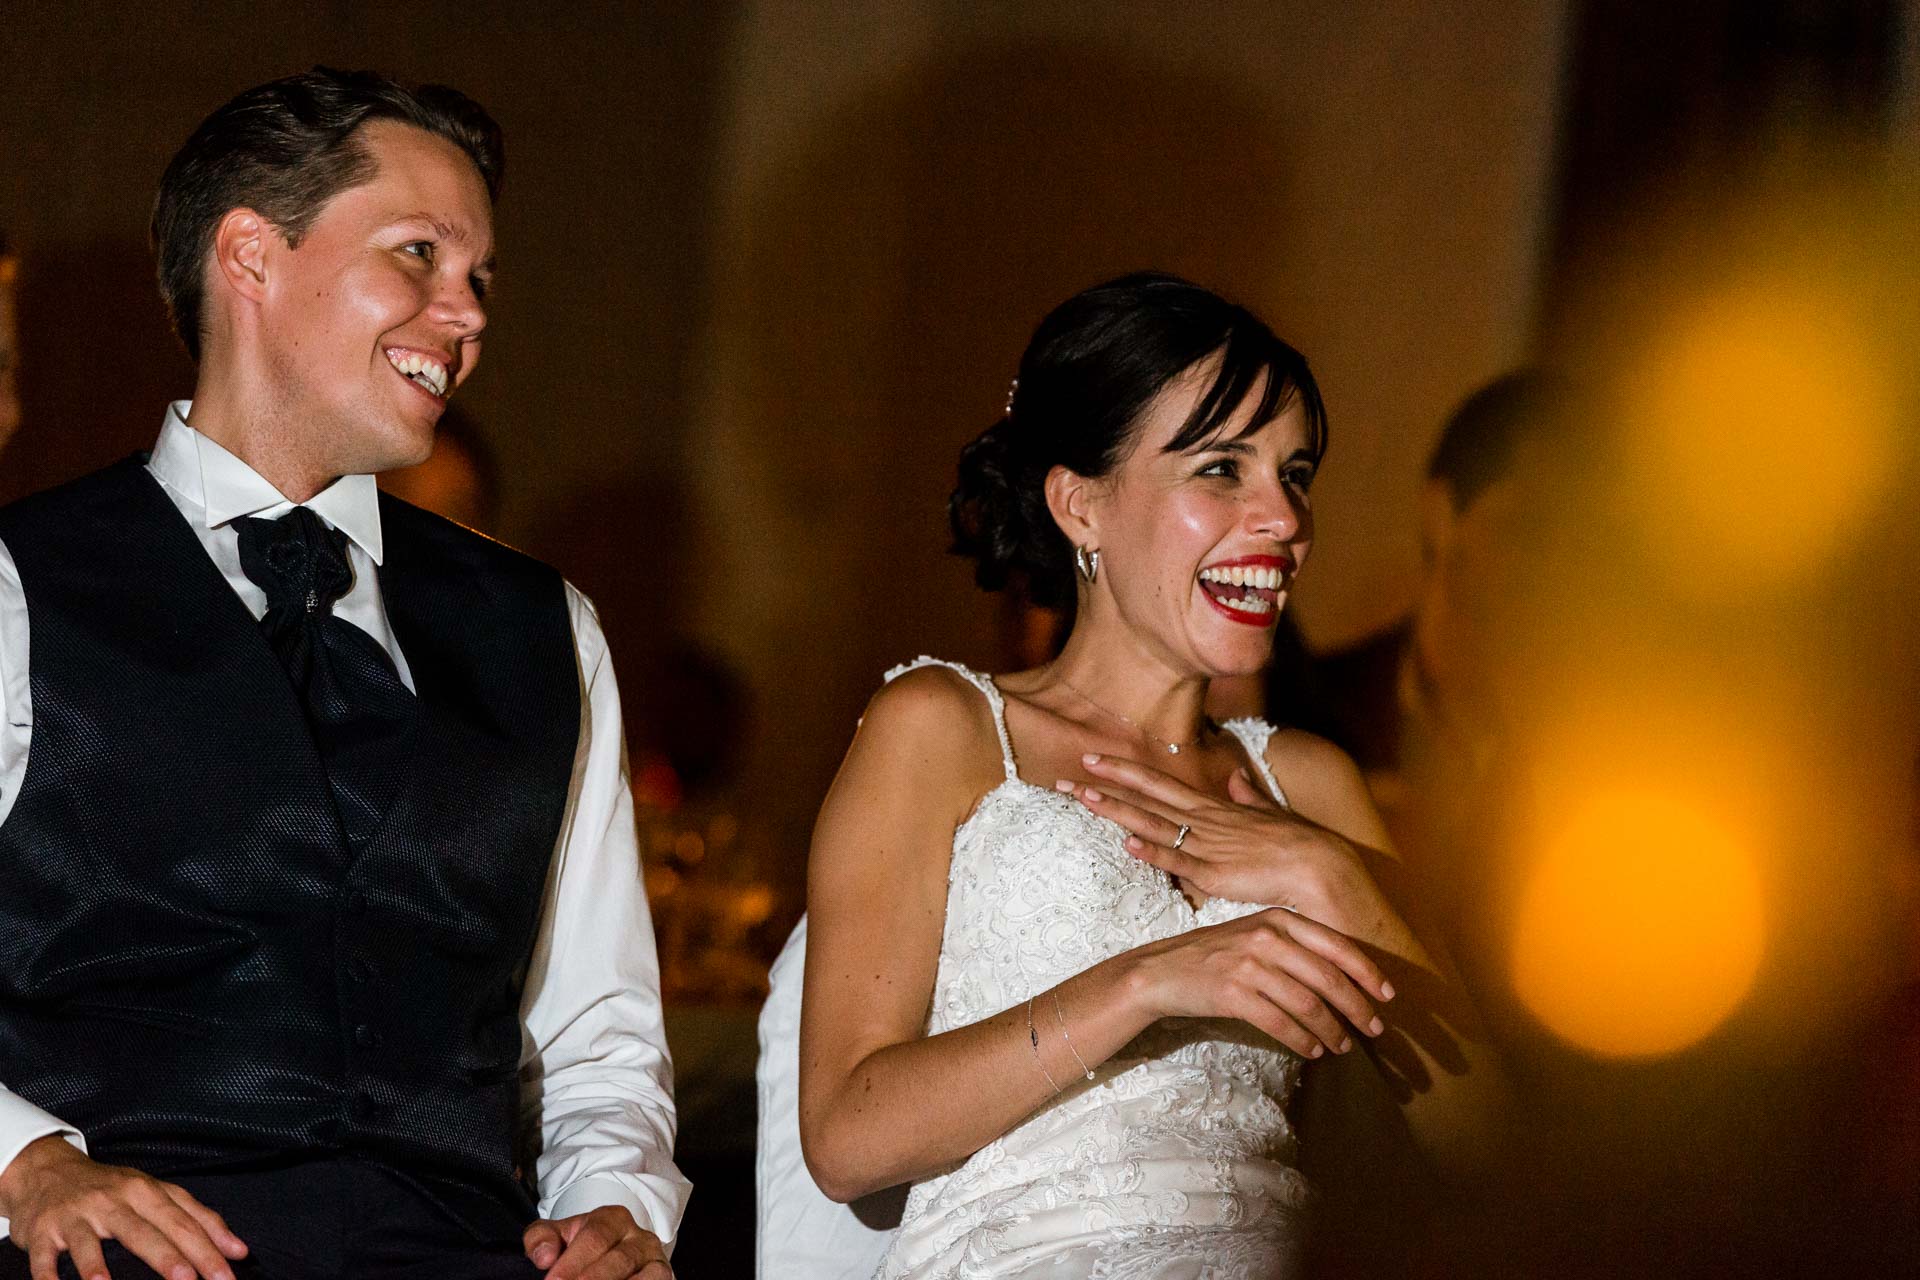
x,y
1093,367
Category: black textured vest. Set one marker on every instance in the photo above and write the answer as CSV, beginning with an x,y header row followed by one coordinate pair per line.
x,y
196,969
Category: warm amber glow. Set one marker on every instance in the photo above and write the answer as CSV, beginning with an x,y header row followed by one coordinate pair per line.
x,y
752,904
1765,434
1641,929
689,847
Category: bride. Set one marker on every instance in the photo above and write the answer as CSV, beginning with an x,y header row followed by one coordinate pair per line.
x,y
1071,941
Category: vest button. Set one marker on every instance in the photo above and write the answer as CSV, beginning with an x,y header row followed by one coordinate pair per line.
x,y
365,1036
356,903
360,969
360,1107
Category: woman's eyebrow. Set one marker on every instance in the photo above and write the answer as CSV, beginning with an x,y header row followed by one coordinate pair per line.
x,y
1240,446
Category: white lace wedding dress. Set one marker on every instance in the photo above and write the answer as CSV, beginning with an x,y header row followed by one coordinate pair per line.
x,y
1175,1161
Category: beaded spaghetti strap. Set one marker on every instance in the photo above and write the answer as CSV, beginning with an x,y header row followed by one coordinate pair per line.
x,y
987,688
1253,735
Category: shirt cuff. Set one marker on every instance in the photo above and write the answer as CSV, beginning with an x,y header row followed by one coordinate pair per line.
x,y
21,1123
596,1191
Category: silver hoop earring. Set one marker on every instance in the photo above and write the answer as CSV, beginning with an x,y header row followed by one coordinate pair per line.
x,y
1087,562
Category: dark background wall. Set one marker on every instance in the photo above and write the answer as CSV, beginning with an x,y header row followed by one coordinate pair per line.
x,y
766,266
906,187
603,232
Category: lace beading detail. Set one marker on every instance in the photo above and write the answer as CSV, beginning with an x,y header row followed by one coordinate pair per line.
x,y
1176,1159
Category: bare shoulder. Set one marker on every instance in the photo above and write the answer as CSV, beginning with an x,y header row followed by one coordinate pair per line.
x,y
1323,783
933,723
924,754
1307,755
933,707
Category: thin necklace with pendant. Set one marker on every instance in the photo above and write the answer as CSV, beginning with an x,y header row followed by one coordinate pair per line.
x,y
1173,748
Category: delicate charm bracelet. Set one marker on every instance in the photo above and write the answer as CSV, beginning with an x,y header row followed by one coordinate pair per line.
x,y
1061,1018
1033,1038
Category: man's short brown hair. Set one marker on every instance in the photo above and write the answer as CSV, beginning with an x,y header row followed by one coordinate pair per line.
x,y
283,150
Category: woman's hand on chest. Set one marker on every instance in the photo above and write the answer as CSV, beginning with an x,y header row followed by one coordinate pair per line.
x,y
1245,846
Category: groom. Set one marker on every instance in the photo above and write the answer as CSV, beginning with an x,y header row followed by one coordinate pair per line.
x,y
322,944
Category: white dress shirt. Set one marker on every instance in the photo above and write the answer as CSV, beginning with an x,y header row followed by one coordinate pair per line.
x,y
595,1077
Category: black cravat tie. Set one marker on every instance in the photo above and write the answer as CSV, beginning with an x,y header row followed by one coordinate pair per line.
x,y
358,709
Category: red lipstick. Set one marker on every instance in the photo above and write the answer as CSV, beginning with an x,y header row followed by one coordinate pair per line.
x,y
1218,594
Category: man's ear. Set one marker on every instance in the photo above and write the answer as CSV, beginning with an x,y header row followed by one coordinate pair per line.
x,y
240,245
1070,497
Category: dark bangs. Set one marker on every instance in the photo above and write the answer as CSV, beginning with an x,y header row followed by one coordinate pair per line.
x,y
1251,351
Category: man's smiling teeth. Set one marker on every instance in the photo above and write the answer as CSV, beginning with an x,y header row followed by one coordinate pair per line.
x,y
425,370
1243,576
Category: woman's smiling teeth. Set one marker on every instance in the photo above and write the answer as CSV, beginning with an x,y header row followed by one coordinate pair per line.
x,y
1243,588
427,372
1245,576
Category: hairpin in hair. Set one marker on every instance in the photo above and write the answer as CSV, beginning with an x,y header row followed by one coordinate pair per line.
x,y
1013,389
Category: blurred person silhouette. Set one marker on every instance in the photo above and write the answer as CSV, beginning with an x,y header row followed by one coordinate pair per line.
x,y
459,480
1393,701
1361,695
1525,581
9,345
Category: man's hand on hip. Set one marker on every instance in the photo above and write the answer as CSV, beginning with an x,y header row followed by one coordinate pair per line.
x,y
604,1244
60,1201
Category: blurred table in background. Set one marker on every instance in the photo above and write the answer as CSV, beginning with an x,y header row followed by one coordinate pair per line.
x,y
718,922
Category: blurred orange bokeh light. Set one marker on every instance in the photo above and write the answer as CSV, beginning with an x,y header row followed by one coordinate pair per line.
x,y
1642,927
1766,435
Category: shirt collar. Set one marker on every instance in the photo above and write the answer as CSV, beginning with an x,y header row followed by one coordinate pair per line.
x,y
226,488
